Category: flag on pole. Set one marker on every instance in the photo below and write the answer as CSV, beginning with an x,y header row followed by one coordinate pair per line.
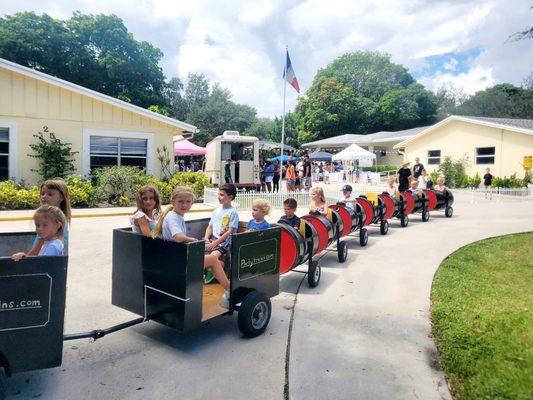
x,y
289,75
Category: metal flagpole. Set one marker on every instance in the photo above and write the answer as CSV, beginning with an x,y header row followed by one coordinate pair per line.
x,y
283,115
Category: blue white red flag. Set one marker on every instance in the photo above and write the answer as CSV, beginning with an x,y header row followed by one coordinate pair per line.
x,y
289,75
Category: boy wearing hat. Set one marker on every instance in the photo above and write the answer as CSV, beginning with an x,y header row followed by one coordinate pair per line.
x,y
403,177
348,198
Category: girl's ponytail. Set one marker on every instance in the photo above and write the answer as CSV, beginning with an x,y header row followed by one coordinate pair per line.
x,y
159,226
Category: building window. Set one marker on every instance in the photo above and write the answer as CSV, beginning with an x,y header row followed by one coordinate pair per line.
x,y
107,151
4,154
433,157
485,155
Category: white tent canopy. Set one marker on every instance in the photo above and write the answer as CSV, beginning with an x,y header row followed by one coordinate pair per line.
x,y
353,153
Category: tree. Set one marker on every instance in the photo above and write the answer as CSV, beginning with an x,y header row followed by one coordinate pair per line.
x,y
55,157
448,99
262,128
527,33
500,101
363,92
94,51
213,111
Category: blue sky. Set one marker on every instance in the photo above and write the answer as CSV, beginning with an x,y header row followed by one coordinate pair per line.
x,y
240,43
455,63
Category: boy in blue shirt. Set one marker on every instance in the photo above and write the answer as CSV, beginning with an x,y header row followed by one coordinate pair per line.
x,y
260,208
223,223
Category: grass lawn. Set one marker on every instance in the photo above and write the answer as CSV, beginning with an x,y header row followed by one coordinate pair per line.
x,y
482,303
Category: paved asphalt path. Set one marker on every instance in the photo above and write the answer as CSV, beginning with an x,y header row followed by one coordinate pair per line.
x,y
364,333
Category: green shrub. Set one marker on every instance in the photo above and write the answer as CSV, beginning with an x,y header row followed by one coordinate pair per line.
x,y
434,176
14,196
454,172
195,180
118,185
55,157
474,181
81,192
528,178
511,182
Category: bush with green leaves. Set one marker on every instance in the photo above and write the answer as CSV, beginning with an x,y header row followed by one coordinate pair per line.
x,y
118,185
474,181
508,182
195,180
55,157
454,172
14,196
81,191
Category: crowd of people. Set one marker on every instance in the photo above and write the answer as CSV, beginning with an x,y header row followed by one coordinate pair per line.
x,y
300,173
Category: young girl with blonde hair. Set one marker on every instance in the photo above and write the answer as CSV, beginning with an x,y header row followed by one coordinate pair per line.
x,y
318,201
54,192
148,210
49,225
171,226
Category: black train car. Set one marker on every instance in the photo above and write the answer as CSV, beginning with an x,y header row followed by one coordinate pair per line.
x,y
32,306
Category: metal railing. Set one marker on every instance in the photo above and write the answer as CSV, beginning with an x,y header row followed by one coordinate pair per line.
x,y
244,199
499,191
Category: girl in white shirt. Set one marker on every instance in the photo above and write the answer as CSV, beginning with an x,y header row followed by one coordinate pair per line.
x,y
423,180
148,210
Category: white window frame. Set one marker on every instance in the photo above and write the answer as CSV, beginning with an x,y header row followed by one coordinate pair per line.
x,y
434,157
13,148
486,156
86,146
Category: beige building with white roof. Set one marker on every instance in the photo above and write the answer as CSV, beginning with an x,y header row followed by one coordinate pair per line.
x,y
103,130
505,145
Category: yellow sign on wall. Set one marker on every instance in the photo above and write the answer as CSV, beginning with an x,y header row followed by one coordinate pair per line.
x,y
528,162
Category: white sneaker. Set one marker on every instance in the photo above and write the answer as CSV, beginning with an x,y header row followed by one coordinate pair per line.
x,y
224,301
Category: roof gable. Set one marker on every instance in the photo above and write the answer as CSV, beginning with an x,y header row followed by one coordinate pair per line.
x,y
516,125
52,80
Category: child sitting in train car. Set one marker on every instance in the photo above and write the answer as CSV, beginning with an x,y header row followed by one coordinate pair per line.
x,y
318,201
49,225
413,186
171,226
348,197
260,208
439,187
289,208
391,187
145,217
223,223
54,192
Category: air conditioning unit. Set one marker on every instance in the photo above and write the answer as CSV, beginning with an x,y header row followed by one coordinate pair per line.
x,y
230,133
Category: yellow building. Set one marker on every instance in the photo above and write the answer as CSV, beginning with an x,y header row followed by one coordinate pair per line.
x,y
103,130
500,144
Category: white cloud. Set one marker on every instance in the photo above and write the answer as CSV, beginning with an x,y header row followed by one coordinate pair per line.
x,y
241,43
477,78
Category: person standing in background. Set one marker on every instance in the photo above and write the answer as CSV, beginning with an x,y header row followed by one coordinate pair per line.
x,y
403,177
487,182
417,168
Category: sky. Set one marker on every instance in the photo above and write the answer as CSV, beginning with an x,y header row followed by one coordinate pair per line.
x,y
241,43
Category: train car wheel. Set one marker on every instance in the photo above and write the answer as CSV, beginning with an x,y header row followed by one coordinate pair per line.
x,y
254,314
363,237
425,216
313,274
342,252
384,227
404,221
448,212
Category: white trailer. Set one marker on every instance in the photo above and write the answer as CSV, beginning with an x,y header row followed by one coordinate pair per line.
x,y
243,151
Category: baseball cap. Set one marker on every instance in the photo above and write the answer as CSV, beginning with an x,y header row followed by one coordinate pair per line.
x,y
346,188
